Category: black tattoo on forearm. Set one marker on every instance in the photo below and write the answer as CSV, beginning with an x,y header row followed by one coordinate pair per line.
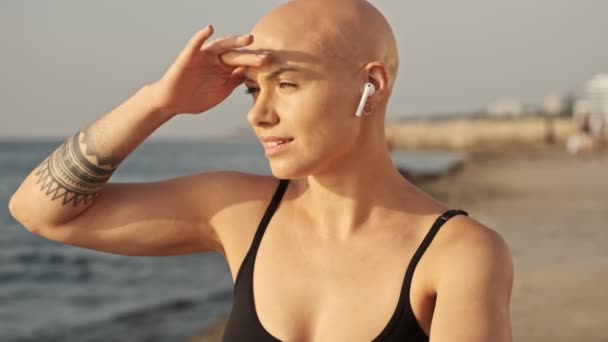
x,y
68,175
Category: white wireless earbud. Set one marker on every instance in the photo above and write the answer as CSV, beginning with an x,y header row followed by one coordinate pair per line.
x,y
368,90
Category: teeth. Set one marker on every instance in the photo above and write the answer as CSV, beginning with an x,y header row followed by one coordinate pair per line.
x,y
275,143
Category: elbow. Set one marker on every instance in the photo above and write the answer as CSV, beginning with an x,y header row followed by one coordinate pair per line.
x,y
13,208
26,217
18,214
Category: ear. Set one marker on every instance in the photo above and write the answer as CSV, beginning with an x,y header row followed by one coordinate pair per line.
x,y
377,74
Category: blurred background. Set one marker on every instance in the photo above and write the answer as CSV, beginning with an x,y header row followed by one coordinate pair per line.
x,y
500,109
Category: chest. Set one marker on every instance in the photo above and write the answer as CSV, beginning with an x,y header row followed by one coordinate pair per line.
x,y
305,289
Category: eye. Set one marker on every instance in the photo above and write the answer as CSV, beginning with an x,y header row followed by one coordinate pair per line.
x,y
287,85
251,90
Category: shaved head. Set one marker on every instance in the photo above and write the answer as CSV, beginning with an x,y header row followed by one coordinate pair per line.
x,y
345,33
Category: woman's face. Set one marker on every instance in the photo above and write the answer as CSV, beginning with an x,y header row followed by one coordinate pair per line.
x,y
310,101
322,52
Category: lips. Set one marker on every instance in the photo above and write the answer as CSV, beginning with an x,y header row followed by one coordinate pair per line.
x,y
274,143
274,140
275,146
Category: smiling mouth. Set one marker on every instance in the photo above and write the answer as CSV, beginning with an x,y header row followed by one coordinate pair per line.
x,y
277,143
273,148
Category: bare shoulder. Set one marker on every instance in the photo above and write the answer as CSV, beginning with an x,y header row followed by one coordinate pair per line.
x,y
223,199
473,280
226,196
233,202
230,186
468,245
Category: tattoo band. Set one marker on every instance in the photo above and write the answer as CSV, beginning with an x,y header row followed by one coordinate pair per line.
x,y
69,175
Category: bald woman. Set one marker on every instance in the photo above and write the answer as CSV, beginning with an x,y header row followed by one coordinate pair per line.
x,y
344,248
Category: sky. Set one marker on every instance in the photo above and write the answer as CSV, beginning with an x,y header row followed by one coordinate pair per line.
x,y
64,64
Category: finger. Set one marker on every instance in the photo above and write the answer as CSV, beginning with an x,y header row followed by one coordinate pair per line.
x,y
243,58
237,76
199,38
238,72
223,45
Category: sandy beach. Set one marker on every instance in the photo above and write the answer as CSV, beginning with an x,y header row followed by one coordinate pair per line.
x,y
552,208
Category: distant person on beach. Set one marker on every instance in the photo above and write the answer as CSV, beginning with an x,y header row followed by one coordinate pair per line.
x,y
344,247
587,137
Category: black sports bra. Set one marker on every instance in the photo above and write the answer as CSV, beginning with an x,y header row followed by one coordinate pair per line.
x,y
244,324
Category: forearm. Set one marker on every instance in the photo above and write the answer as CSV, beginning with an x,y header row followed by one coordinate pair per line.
x,y
67,182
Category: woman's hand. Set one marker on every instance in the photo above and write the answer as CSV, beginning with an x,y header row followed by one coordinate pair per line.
x,y
203,76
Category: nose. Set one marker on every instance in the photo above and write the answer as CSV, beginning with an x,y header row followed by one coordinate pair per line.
x,y
262,113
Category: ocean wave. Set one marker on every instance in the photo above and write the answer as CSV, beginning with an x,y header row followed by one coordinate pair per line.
x,y
168,321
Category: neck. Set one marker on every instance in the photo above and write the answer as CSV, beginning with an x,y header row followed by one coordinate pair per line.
x,y
353,192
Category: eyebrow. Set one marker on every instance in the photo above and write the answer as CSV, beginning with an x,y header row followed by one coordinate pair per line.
x,y
276,73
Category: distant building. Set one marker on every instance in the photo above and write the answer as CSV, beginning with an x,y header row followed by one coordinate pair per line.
x,y
558,104
596,96
581,110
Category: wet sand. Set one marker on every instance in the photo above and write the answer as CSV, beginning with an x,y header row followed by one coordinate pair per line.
x,y
552,209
